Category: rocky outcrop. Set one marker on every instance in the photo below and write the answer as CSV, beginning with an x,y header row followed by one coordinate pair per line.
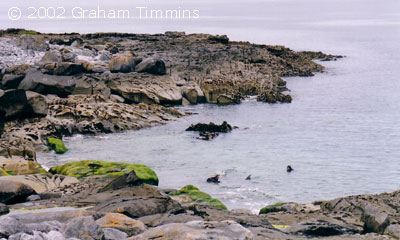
x,y
189,194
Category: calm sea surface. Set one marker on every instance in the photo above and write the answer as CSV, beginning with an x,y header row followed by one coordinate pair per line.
x,y
341,134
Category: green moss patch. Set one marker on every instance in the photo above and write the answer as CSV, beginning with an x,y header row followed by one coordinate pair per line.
x,y
57,145
272,208
88,168
198,196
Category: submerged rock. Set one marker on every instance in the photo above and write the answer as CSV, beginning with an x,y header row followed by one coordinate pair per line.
x,y
87,168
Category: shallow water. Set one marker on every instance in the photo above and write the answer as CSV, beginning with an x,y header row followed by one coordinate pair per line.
x,y
341,134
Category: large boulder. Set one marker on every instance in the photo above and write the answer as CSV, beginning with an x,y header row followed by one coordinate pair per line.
x,y
86,168
13,192
374,219
23,104
123,63
47,84
152,65
10,226
52,56
121,222
84,228
199,230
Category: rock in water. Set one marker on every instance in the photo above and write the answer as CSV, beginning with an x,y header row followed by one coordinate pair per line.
x,y
152,65
12,192
123,63
57,145
374,219
84,228
211,127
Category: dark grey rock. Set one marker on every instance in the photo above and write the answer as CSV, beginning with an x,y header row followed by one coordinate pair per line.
x,y
374,219
84,228
37,104
2,121
11,81
319,228
114,234
12,192
152,65
47,84
4,209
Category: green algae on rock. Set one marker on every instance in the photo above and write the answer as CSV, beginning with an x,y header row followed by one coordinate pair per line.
x,y
272,208
196,195
57,145
88,168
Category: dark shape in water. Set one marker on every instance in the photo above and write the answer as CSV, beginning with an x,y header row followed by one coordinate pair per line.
x,y
213,179
211,127
207,135
289,169
248,177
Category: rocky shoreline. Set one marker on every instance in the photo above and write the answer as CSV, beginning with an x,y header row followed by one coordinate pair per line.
x,y
55,85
